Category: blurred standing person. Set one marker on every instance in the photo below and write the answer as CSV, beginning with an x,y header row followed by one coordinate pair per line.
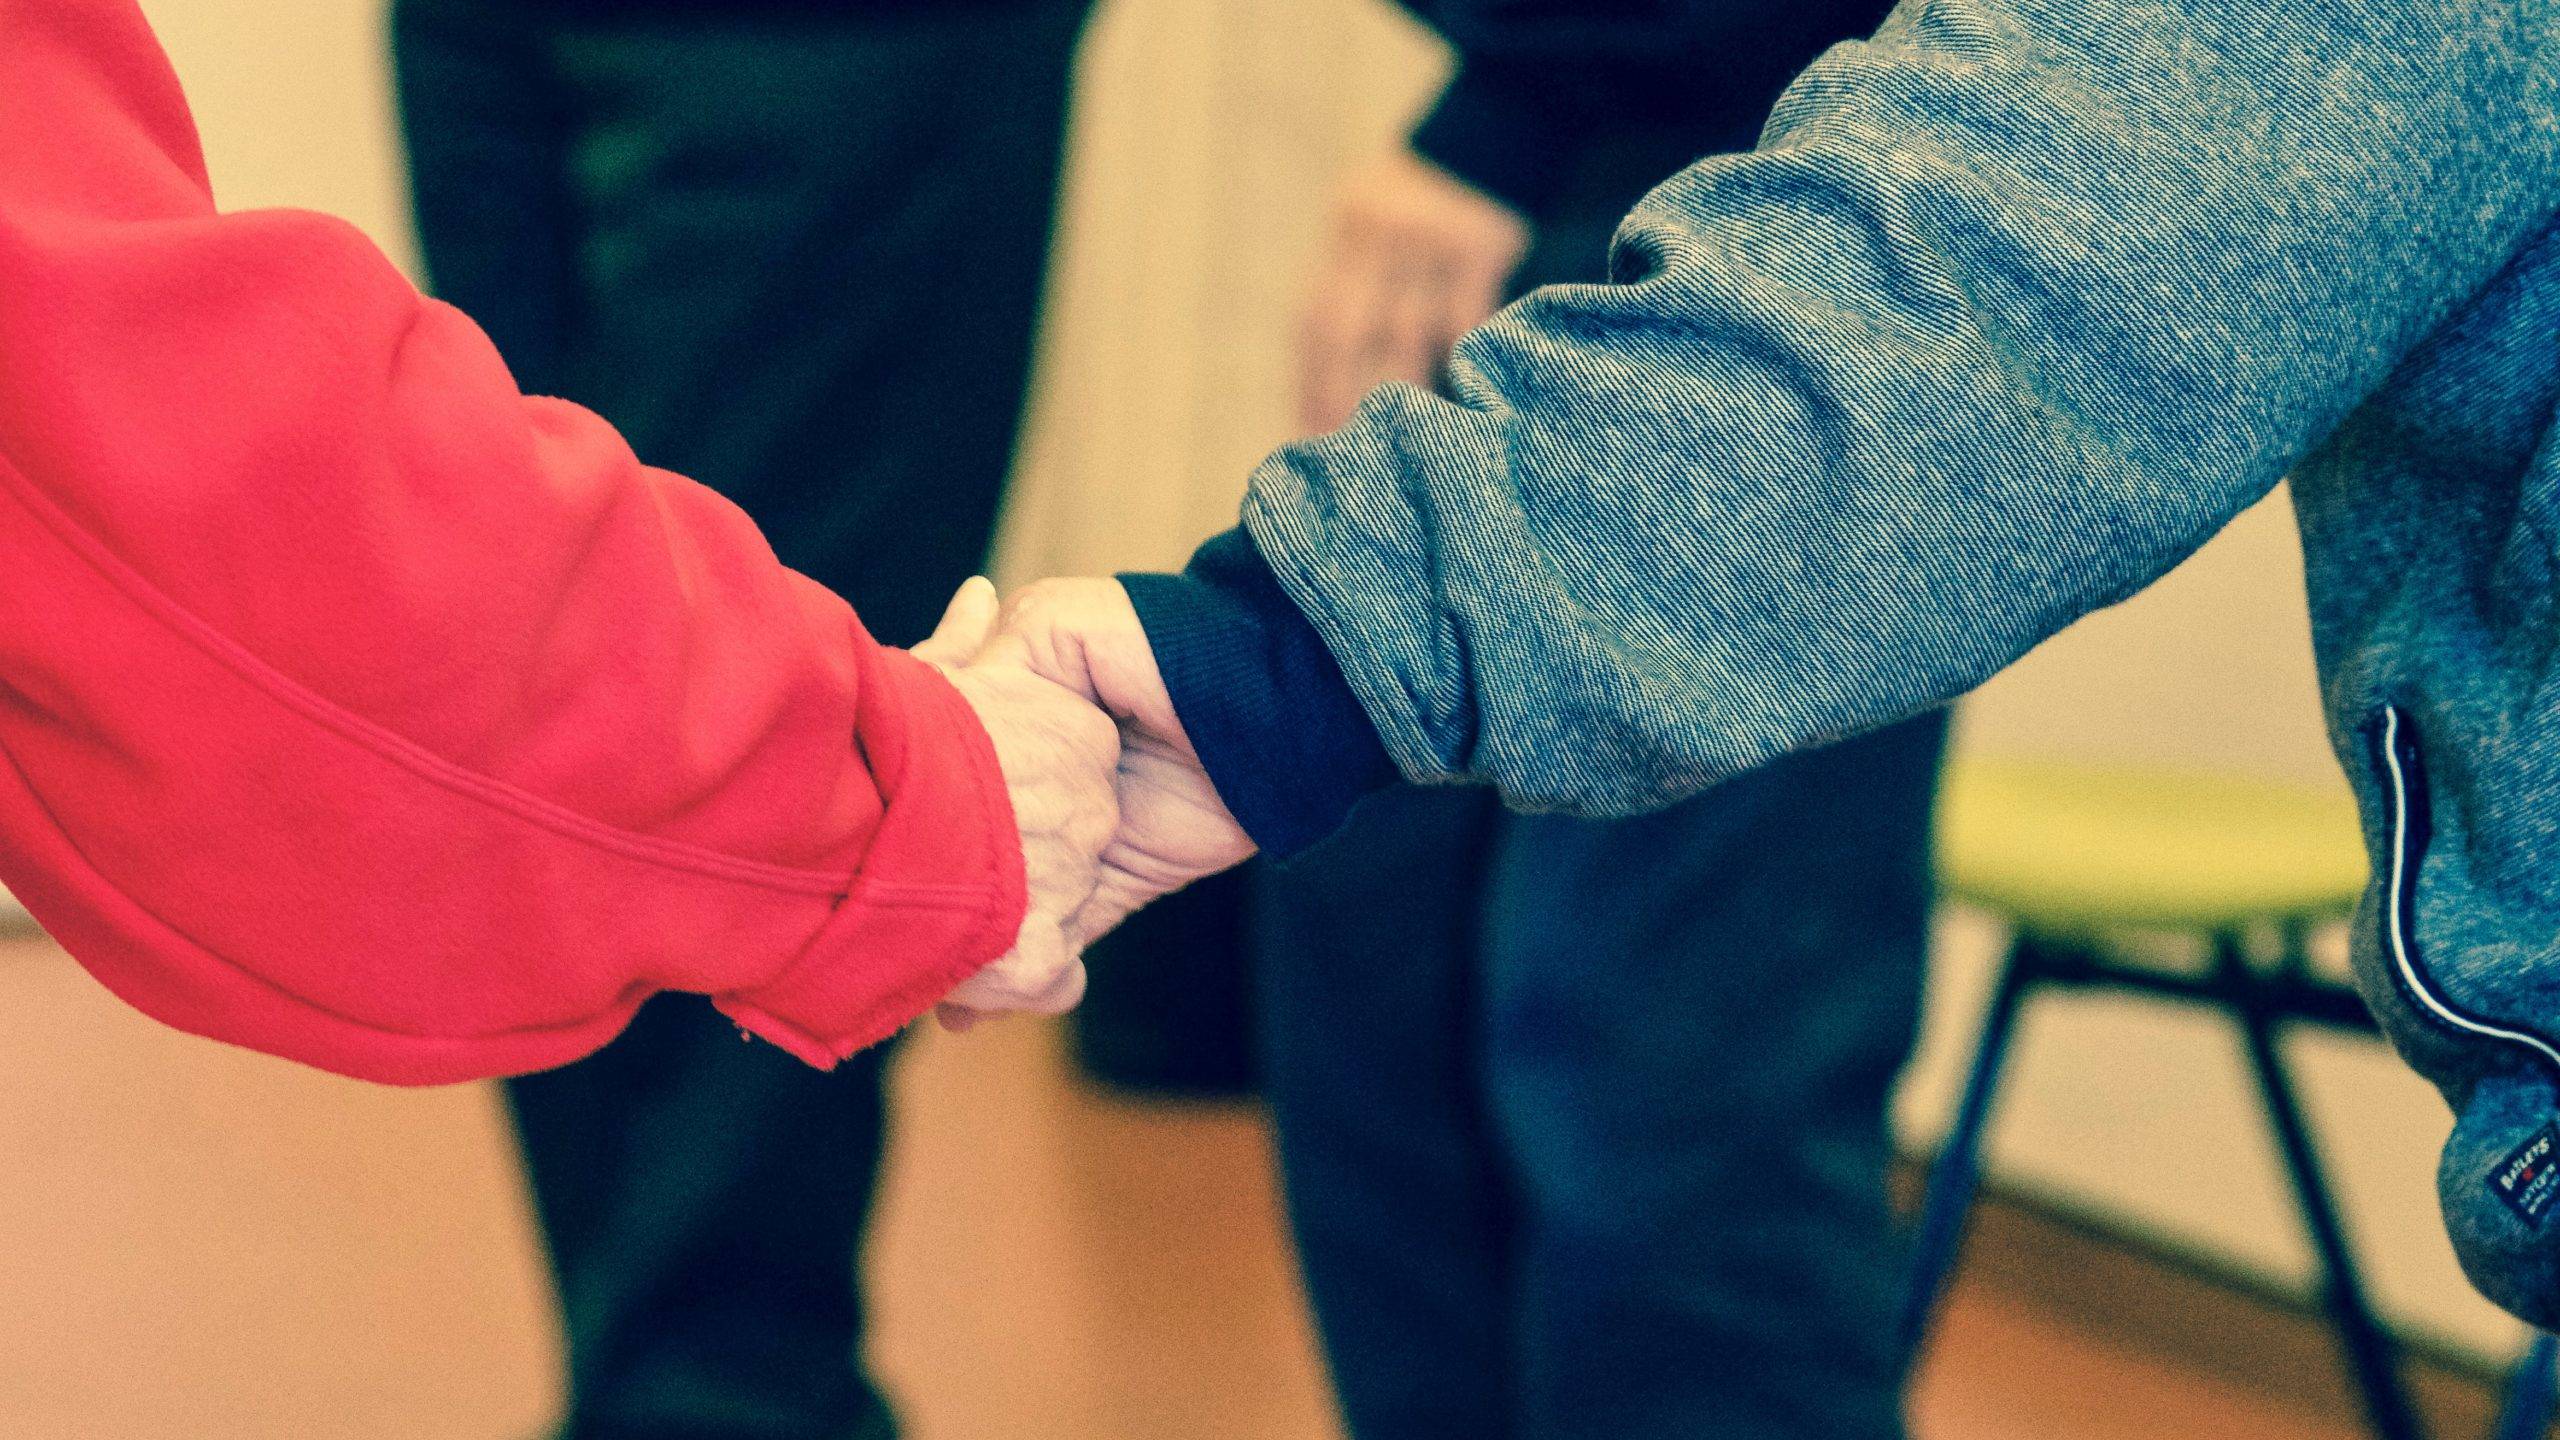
x,y
793,248
1526,1207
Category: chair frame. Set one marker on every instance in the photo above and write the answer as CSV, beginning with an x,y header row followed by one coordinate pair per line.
x,y
2262,1002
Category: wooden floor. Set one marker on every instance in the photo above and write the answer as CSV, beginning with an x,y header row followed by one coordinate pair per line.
x,y
199,1244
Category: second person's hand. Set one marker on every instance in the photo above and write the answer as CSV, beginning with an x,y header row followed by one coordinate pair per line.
x,y
1084,634
1418,258
1060,757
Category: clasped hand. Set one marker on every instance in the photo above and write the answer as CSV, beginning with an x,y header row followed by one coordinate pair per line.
x,y
1112,803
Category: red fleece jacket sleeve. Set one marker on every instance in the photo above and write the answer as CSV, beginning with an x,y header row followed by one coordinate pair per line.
x,y
356,708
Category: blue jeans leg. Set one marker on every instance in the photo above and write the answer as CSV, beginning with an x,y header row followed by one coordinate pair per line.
x,y
1692,1024
1584,1123
1367,985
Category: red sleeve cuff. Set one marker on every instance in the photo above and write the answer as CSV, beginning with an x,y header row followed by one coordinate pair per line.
x,y
940,893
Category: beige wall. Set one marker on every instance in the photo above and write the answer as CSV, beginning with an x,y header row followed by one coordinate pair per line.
x,y
294,104
1205,137
1208,137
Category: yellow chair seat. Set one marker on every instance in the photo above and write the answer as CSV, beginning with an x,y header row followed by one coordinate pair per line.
x,y
2079,850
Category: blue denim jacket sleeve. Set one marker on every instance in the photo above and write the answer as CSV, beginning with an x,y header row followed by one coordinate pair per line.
x,y
2015,305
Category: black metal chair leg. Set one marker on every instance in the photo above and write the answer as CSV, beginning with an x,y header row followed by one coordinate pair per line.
x,y
2533,1391
2372,1359
1957,1173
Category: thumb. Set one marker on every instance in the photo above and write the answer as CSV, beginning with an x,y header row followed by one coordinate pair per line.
x,y
966,624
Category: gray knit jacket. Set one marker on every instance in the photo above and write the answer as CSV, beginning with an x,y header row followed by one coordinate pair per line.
x,y
2013,307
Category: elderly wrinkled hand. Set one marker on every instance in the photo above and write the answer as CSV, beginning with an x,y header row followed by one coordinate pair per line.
x,y
1173,829
1060,756
1418,258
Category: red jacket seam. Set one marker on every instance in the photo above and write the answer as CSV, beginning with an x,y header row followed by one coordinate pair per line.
x,y
631,993
892,897
406,754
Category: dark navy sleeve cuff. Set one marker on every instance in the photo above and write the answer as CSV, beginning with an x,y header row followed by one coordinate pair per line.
x,y
1277,728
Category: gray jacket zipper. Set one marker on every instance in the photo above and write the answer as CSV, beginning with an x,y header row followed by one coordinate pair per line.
x,y
2403,785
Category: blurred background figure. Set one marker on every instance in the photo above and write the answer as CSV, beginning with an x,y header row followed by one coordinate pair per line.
x,y
1168,1010
794,249
1526,1210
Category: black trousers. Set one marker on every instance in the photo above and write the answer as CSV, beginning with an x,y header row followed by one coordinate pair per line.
x,y
1584,1123
797,255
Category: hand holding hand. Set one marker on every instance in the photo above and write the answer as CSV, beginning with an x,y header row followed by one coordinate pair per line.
x,y
1419,258
1058,754
1085,635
